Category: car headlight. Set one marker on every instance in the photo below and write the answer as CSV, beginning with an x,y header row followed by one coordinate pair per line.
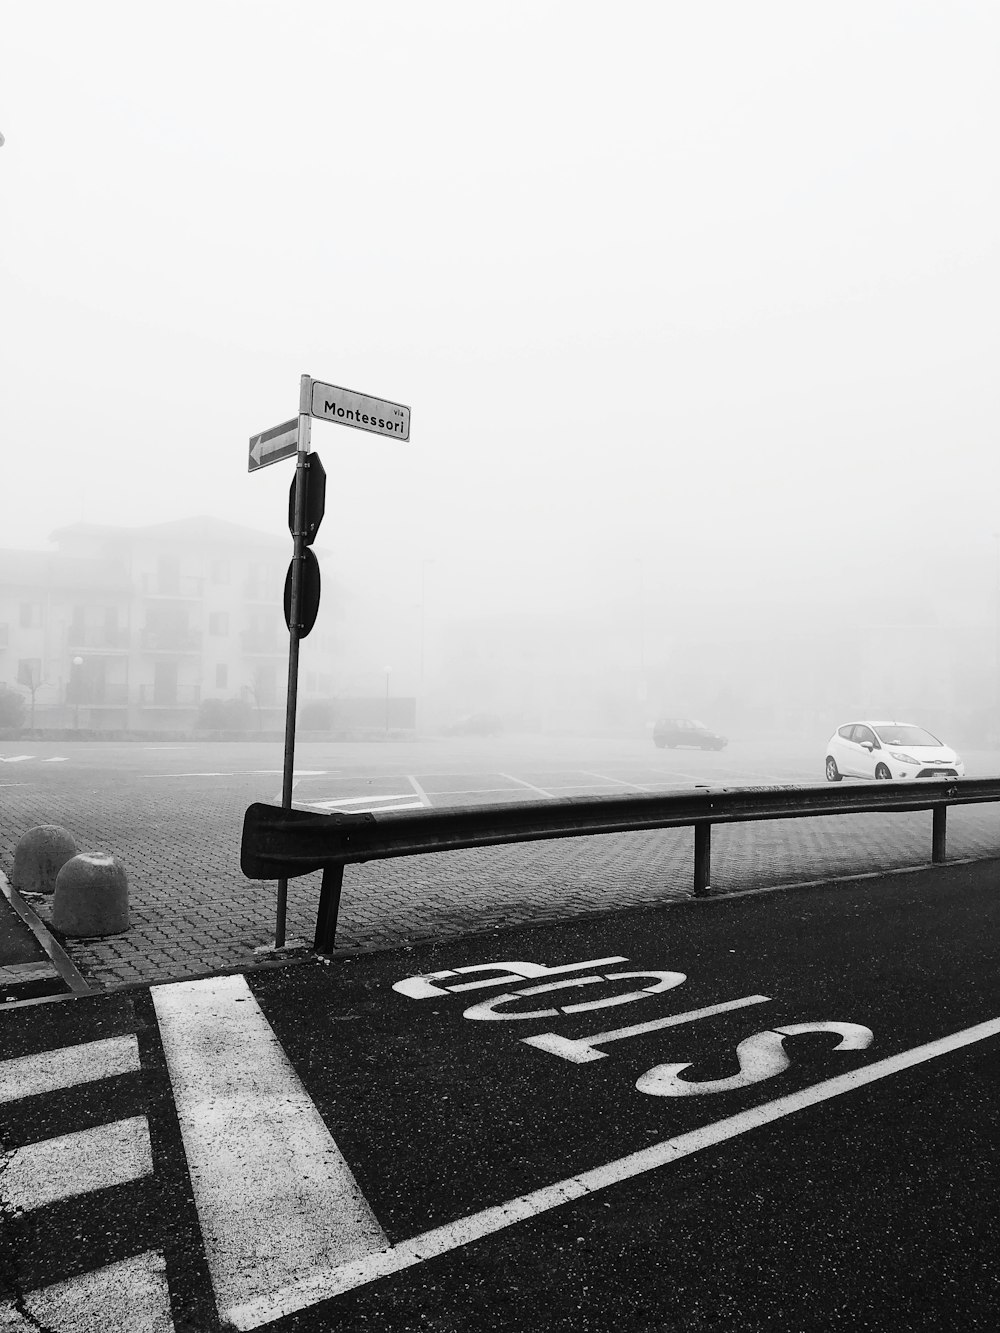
x,y
957,759
903,758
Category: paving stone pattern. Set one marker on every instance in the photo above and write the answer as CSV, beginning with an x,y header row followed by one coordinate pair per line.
x,y
192,910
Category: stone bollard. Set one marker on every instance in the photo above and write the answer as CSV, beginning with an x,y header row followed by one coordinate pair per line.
x,y
91,896
39,856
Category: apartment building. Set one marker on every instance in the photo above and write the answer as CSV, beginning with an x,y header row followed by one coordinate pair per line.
x,y
131,628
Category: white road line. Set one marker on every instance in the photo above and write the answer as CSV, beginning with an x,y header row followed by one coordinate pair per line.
x,y
31,1075
94,1159
191,775
130,1297
277,1202
580,1050
471,791
366,804
618,782
14,758
424,798
530,785
296,772
56,759
364,800
453,1235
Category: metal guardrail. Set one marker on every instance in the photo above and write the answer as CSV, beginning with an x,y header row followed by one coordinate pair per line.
x,y
281,844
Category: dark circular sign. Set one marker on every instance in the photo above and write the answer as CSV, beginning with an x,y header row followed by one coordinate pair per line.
x,y
308,593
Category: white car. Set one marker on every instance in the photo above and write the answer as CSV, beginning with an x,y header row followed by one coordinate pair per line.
x,y
885,750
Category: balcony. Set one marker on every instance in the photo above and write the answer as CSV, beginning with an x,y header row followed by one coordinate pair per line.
x,y
170,640
97,640
262,643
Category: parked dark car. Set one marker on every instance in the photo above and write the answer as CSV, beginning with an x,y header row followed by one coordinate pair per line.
x,y
672,731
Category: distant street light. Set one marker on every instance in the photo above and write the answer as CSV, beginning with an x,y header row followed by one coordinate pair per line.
x,y
75,684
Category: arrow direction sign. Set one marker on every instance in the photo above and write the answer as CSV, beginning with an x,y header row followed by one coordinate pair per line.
x,y
347,408
274,444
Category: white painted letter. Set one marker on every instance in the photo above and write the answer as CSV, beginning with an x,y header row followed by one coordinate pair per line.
x,y
760,1057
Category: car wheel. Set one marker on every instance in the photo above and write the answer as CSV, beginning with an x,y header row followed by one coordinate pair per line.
x,y
833,773
658,742
882,773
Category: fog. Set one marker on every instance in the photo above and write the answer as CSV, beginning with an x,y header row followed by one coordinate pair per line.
x,y
694,307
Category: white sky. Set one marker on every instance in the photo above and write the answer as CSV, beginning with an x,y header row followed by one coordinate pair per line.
x,y
707,286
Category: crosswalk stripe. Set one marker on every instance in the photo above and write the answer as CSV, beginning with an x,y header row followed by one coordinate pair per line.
x,y
277,1202
93,1159
30,1075
130,1297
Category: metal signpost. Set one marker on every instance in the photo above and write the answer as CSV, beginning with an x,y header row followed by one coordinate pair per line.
x,y
306,502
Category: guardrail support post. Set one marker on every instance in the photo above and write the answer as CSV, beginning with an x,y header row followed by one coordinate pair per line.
x,y
702,858
938,827
329,908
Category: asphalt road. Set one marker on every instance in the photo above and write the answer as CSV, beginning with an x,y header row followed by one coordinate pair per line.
x,y
775,1110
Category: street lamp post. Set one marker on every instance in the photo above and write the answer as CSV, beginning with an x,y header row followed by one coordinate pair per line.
x,y
387,670
75,683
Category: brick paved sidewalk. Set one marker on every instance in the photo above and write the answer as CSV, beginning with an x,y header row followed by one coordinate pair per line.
x,y
192,911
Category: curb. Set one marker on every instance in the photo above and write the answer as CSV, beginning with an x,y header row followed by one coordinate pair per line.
x,y
60,960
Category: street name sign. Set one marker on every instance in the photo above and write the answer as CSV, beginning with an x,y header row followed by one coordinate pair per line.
x,y
274,444
346,408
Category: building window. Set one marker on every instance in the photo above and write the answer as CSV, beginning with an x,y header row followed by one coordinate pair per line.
x,y
31,615
218,622
220,571
221,676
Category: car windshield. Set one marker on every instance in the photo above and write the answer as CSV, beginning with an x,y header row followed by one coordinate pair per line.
x,y
700,725
906,736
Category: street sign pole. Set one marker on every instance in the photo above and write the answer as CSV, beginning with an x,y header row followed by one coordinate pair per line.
x,y
294,626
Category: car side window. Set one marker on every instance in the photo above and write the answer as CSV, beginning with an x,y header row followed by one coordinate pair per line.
x,y
845,732
864,734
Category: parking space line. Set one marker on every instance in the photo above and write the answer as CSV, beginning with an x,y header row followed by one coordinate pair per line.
x,y
618,782
424,798
453,1235
366,804
277,1202
530,785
